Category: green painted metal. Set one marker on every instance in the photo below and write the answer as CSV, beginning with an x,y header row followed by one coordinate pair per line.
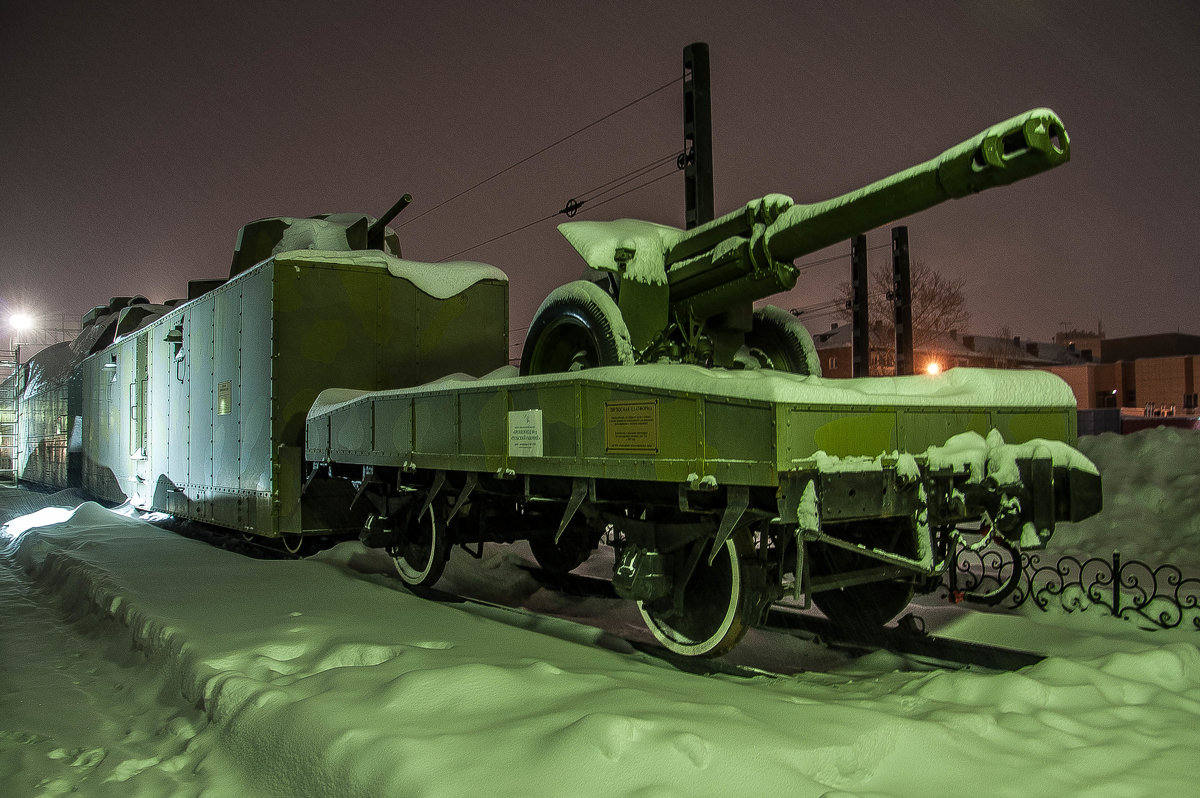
x,y
718,430
681,291
215,392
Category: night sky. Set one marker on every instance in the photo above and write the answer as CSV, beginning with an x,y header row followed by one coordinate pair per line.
x,y
136,138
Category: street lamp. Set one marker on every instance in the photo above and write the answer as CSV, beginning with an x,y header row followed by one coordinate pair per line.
x,y
20,322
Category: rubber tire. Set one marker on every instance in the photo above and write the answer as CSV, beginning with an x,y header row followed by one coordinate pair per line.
x,y
421,557
718,591
786,343
578,326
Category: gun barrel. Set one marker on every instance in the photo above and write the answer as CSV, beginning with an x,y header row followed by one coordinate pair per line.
x,y
1020,147
376,230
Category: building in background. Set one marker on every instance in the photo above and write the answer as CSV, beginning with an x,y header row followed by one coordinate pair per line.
x,y
1153,376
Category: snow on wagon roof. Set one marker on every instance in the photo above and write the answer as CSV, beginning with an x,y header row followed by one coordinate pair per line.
x,y
439,280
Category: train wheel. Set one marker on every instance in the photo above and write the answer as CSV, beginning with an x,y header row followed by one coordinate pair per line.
x,y
421,550
714,607
292,544
577,327
867,606
781,342
572,550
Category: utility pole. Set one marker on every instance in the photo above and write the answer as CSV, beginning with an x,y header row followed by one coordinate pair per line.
x,y
902,301
860,364
697,137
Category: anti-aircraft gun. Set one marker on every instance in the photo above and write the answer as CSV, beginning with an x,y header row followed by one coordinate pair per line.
x,y
664,294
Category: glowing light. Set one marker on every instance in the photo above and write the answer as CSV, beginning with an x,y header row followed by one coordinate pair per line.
x,y
934,367
21,322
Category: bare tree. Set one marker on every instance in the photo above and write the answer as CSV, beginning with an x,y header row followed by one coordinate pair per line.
x,y
1001,349
939,306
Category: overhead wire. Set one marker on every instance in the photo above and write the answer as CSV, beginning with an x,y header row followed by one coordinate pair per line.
x,y
566,211
635,188
574,206
832,258
550,146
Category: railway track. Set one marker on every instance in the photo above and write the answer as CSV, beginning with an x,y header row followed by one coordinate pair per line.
x,y
907,637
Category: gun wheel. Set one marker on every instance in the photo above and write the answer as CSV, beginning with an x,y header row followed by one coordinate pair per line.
x,y
712,611
577,327
421,549
779,341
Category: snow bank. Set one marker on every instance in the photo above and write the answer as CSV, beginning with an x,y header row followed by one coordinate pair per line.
x,y
316,679
1151,509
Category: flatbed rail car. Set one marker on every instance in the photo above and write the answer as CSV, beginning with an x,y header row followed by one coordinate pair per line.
x,y
722,491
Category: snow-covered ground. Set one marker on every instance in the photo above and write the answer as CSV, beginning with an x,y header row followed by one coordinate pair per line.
x,y
134,662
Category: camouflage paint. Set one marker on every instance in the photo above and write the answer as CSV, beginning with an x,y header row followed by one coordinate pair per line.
x,y
462,426
224,419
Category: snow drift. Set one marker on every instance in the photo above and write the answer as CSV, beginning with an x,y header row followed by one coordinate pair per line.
x,y
231,676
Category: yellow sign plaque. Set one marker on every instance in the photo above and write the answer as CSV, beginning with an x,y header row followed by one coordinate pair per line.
x,y
631,426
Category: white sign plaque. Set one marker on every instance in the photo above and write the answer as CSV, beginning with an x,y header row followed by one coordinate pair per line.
x,y
525,433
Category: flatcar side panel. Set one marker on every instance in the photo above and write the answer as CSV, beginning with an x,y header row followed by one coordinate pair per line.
x,y
437,421
642,434
739,441
393,423
1058,425
482,428
352,431
559,430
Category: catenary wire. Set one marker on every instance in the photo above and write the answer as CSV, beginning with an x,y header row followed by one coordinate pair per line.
x,y
550,146
564,211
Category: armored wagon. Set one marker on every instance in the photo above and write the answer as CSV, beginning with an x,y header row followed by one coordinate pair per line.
x,y
200,413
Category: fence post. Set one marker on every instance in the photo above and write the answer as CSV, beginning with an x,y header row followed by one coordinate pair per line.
x,y
1116,565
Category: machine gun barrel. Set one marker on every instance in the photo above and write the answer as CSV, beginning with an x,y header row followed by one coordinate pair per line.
x,y
747,254
376,231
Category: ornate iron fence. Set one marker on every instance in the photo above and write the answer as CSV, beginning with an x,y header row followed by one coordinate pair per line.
x,y
1161,596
